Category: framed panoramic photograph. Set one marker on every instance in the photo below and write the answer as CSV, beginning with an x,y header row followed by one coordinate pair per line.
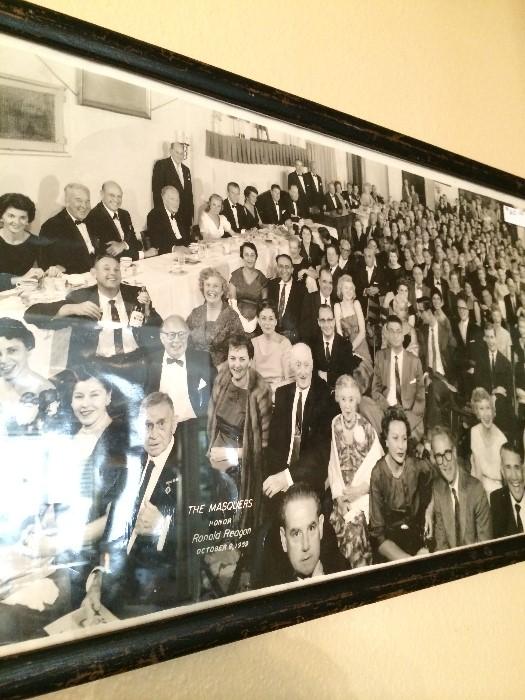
x,y
260,361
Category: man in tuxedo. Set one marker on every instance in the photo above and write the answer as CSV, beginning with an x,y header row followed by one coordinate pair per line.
x,y
309,312
397,381
101,321
372,230
272,209
231,208
314,184
165,223
148,563
461,509
347,261
354,198
468,338
507,504
332,201
436,351
511,304
112,225
369,282
287,296
332,355
172,171
417,288
185,375
297,207
493,372
72,242
298,179
300,429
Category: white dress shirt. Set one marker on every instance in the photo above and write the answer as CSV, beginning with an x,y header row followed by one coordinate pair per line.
x,y
521,504
178,168
233,207
463,327
391,398
85,235
293,417
325,300
316,182
159,461
174,225
174,382
106,338
287,288
454,485
431,350
301,180
370,272
116,221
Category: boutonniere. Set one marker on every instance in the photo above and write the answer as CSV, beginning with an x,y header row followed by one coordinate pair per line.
x,y
167,486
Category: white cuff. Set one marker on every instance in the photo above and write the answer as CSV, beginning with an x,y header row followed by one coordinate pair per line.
x,y
288,477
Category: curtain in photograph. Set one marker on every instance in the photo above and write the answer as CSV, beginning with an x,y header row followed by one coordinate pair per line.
x,y
240,150
355,170
324,158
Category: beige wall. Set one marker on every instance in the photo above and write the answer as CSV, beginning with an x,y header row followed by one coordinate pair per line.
x,y
451,73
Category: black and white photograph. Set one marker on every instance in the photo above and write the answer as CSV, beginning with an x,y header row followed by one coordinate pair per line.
x,y
236,355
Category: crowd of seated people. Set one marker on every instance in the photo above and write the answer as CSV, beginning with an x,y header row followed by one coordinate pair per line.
x,y
365,404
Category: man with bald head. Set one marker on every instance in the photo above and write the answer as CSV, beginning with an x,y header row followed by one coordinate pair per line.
x,y
172,171
72,242
165,223
112,225
300,430
186,375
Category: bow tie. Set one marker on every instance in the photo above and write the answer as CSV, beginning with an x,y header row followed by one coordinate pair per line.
x,y
79,221
172,217
233,206
115,216
171,360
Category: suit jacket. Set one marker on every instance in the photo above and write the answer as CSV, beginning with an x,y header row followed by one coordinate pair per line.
x,y
511,312
200,374
446,349
475,522
164,173
316,194
268,211
304,192
290,323
227,211
361,282
315,256
318,411
503,514
301,205
101,223
430,281
67,247
329,203
309,312
85,331
465,352
412,293
161,233
412,385
483,375
342,359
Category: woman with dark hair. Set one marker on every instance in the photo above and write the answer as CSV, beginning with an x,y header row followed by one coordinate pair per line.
x,y
271,350
394,271
212,323
20,251
22,404
311,252
239,415
252,218
247,287
400,493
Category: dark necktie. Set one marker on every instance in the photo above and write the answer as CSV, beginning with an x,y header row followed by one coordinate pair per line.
x,y
457,521
117,332
280,311
327,353
171,360
78,222
142,489
298,429
398,381
519,524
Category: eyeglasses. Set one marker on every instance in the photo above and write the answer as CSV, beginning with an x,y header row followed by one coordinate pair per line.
x,y
442,457
180,335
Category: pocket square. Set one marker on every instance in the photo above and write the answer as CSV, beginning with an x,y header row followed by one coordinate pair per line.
x,y
413,381
202,384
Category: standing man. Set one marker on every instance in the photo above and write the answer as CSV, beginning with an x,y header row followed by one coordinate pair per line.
x,y
112,225
300,429
172,171
461,508
298,178
315,186
72,241
397,381
287,296
165,223
507,504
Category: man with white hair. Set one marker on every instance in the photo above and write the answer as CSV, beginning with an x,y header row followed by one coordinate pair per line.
x,y
72,242
299,445
172,171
